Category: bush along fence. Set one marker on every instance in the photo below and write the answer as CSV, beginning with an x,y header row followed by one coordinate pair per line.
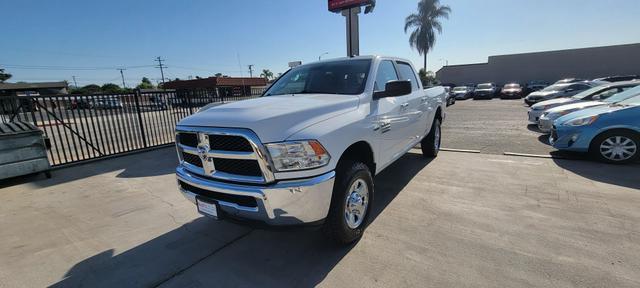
x,y
84,127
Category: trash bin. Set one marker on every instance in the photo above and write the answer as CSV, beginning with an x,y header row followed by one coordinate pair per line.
x,y
22,150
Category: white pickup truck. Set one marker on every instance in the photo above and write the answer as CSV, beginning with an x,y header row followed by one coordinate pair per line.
x,y
307,150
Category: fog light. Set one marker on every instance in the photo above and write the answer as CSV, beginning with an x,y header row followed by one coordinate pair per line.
x,y
573,139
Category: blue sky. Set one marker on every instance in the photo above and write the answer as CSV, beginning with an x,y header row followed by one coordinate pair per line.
x,y
202,37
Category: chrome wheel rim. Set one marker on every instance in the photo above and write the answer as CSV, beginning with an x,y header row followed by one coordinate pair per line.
x,y
436,138
618,148
356,203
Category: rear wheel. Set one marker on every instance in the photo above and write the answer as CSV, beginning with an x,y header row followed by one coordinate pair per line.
x,y
618,147
351,203
430,144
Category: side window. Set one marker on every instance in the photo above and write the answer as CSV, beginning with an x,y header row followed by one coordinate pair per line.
x,y
386,73
407,73
578,87
606,93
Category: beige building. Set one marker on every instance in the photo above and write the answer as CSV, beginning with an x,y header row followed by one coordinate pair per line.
x,y
549,66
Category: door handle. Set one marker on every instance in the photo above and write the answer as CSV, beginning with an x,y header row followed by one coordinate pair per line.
x,y
404,105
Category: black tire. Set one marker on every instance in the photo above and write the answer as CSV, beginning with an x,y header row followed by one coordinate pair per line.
x,y
430,144
598,146
335,226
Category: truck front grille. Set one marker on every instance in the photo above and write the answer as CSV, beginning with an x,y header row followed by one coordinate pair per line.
x,y
192,159
229,143
229,154
239,167
188,139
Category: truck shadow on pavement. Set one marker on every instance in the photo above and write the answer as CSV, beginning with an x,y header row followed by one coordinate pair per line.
x,y
209,253
157,162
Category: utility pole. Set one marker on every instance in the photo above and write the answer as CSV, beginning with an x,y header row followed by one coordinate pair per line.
x,y
74,82
122,74
251,70
161,66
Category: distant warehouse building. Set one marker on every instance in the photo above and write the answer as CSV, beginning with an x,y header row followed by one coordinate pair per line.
x,y
225,86
549,66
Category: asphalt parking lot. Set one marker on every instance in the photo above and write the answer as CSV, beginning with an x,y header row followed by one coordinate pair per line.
x,y
461,220
493,126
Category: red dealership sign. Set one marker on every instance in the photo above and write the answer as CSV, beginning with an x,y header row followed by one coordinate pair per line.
x,y
338,5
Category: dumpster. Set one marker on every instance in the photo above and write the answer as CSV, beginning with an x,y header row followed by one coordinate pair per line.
x,y
22,150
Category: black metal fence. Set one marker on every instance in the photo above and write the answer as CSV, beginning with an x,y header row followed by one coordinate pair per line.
x,y
84,127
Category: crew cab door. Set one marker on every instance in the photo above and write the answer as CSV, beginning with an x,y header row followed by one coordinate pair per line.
x,y
420,105
391,125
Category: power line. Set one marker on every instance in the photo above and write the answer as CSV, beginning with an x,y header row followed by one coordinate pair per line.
x,y
51,67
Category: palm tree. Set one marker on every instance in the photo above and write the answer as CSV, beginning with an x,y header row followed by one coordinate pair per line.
x,y
424,24
266,74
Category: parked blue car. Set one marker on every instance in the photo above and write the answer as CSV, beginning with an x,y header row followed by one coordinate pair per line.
x,y
610,133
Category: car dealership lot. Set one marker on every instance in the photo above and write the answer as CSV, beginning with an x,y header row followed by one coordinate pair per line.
x,y
493,126
461,220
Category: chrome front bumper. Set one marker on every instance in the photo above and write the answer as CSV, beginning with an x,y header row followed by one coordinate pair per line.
x,y
283,203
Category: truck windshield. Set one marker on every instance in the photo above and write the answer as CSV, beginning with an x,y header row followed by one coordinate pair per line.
x,y
337,77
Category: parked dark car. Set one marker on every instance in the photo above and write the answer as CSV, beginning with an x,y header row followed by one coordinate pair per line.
x,y
485,91
511,91
618,78
451,98
534,86
462,92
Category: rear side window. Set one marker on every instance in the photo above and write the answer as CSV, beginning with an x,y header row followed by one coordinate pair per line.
x,y
386,73
407,73
579,87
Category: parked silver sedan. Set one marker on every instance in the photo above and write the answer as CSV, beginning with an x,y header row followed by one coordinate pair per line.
x,y
594,94
548,117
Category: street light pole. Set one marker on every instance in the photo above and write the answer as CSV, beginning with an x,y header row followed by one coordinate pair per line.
x,y
320,57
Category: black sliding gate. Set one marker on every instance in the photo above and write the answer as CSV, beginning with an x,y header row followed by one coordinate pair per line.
x,y
84,127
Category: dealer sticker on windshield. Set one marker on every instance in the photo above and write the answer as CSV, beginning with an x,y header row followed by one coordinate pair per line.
x,y
207,209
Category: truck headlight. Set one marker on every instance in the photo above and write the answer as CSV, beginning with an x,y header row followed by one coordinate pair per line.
x,y
298,155
581,121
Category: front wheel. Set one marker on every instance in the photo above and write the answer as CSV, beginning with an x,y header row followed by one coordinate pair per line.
x,y
430,144
350,204
617,147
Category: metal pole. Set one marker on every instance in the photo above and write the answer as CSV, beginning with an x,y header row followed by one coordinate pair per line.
x,y
251,71
122,74
353,31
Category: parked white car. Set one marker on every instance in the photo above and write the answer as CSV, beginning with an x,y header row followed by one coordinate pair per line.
x,y
597,93
548,117
307,150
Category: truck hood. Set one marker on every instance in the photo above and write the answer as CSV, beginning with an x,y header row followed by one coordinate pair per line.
x,y
275,118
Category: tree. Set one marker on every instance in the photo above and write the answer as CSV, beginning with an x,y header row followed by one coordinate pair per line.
x,y
145,84
218,75
111,88
4,76
90,89
266,74
428,78
424,25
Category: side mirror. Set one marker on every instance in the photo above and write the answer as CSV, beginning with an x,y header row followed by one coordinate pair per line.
x,y
393,89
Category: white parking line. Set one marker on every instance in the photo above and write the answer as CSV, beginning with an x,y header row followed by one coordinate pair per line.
x,y
533,155
460,150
